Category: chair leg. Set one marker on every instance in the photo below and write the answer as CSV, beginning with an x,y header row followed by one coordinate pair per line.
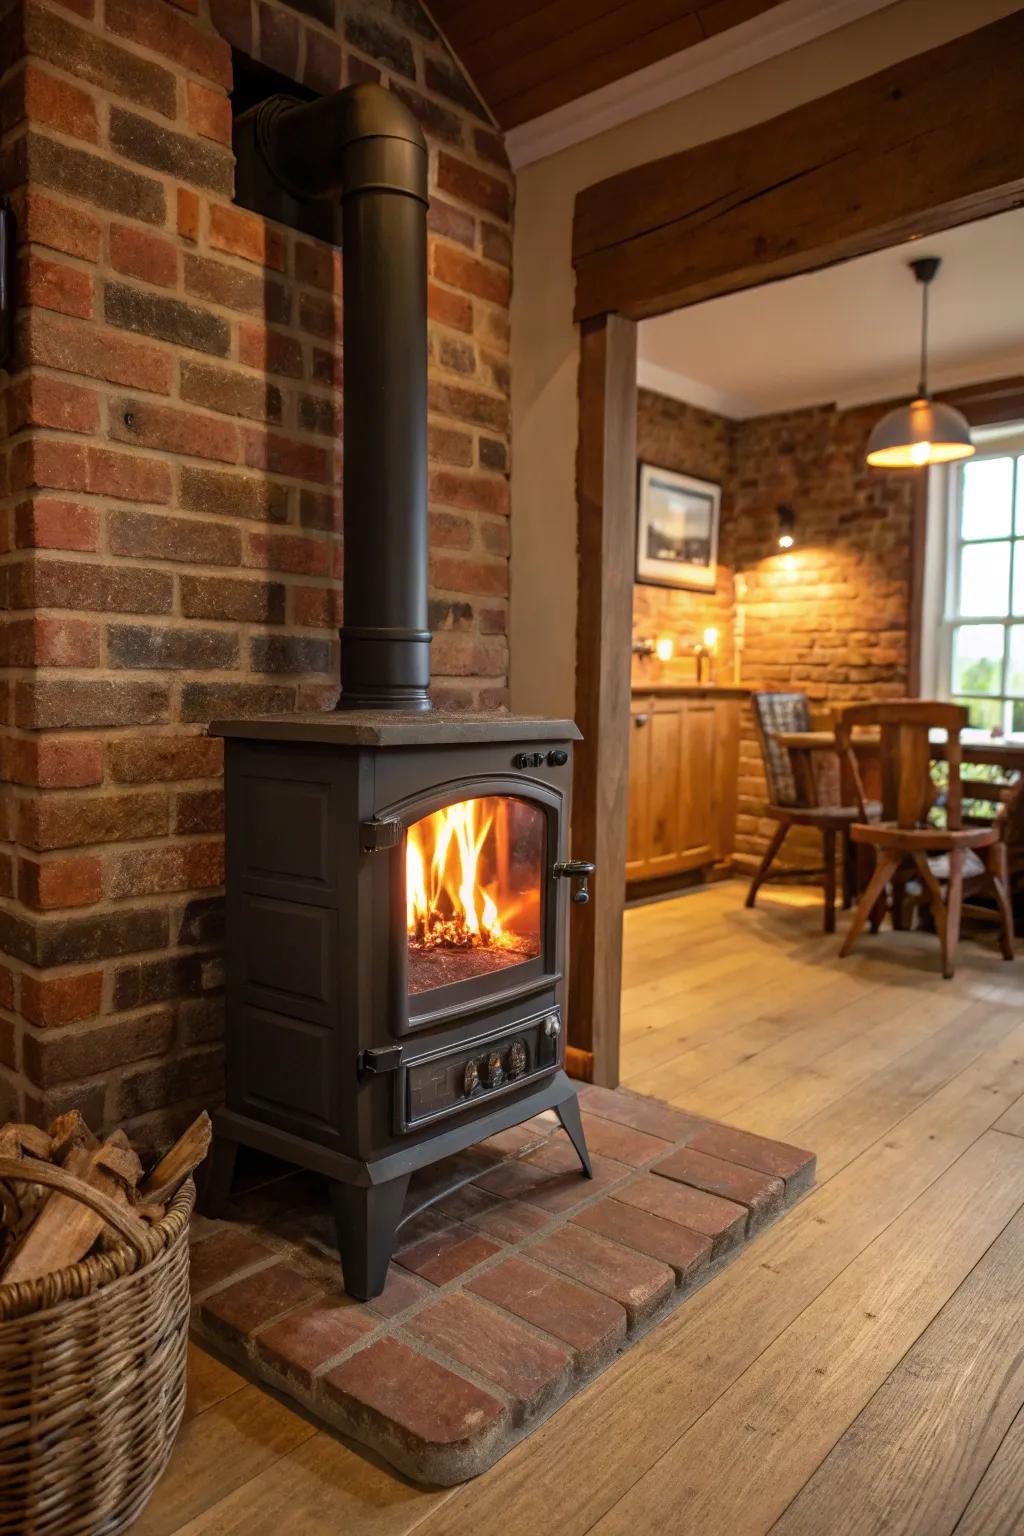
x,y
954,904
886,866
847,856
878,911
998,879
939,906
828,838
778,838
899,905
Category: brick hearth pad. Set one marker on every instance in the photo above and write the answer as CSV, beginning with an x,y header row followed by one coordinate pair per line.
x,y
507,1294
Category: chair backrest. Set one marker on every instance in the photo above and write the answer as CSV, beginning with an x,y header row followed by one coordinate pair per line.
x,y
775,712
905,754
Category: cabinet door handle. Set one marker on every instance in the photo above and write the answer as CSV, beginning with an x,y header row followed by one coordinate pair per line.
x,y
639,720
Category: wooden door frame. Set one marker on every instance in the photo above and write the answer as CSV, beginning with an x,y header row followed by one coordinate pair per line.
x,y
907,152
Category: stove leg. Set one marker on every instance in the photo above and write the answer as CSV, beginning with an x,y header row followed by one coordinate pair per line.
x,y
366,1219
568,1113
217,1174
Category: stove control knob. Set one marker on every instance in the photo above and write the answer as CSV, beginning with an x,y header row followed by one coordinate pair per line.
x,y
552,1026
470,1078
494,1070
517,1060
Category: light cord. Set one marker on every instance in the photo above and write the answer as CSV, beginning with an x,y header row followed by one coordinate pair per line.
x,y
922,388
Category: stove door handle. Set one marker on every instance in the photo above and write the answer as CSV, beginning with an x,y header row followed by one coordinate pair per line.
x,y
575,869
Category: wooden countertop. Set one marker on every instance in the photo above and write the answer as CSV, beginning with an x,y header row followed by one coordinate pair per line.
x,y
689,691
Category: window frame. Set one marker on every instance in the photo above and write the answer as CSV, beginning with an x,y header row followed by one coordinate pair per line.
x,y
946,499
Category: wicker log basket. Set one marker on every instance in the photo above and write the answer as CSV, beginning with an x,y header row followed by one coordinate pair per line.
x,y
92,1371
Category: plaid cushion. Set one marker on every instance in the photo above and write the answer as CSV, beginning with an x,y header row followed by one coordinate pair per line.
x,y
775,712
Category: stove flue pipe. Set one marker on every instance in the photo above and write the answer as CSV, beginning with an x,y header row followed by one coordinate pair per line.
x,y
362,144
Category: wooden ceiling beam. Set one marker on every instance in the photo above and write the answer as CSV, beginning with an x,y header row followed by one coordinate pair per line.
x,y
931,142
529,57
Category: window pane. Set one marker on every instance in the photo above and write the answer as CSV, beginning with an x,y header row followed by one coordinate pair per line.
x,y
984,714
984,580
1020,494
1015,666
1017,719
978,658
987,493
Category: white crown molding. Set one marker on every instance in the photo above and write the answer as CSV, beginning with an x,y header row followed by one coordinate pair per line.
x,y
666,381
892,386
1002,365
753,42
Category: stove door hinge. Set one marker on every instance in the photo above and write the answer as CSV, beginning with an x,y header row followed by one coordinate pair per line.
x,y
381,833
377,1063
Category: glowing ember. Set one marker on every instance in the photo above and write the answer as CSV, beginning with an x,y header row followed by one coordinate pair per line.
x,y
472,877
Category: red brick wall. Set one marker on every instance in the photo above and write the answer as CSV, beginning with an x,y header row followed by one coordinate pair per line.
x,y
170,516
830,618
691,441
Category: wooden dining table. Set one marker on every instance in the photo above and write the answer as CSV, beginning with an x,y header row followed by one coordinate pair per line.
x,y
979,747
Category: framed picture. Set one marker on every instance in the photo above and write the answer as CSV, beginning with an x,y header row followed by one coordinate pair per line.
x,y
677,529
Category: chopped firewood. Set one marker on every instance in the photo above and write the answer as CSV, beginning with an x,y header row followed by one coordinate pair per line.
x,y
21,1205
175,1166
65,1229
43,1229
150,1214
24,1141
67,1131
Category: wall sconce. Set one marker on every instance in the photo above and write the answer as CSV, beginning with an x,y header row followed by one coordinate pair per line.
x,y
664,648
787,526
643,648
705,652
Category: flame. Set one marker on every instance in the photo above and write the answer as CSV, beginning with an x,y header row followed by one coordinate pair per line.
x,y
446,903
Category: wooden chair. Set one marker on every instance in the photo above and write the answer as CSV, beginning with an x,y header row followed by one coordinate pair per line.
x,y
905,846
789,798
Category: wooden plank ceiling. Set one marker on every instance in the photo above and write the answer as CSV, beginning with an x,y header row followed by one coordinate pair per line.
x,y
527,57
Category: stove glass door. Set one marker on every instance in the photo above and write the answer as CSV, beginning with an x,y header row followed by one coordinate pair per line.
x,y
473,887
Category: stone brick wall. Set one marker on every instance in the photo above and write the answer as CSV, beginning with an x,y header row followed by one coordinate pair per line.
x,y
170,548
830,618
691,441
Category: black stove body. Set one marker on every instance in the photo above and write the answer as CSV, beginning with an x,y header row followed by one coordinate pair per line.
x,y
352,1049
398,881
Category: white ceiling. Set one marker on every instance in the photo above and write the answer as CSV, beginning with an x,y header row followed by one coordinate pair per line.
x,y
850,333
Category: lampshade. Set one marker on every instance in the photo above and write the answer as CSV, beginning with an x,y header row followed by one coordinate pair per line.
x,y
923,432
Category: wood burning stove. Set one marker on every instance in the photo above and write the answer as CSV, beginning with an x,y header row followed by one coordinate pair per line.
x,y
398,880
396,949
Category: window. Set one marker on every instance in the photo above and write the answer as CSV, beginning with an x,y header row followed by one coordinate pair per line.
x,y
980,659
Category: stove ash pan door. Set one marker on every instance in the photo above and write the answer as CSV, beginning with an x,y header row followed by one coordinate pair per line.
x,y
480,905
453,1078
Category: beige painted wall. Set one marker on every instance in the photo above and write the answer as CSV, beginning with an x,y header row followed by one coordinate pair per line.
x,y
544,339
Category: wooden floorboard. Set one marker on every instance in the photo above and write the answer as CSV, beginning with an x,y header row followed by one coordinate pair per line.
x,y
767,1433
861,1356
915,1455
997,1506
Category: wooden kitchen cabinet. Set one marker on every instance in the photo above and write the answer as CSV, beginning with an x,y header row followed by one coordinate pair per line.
x,y
683,765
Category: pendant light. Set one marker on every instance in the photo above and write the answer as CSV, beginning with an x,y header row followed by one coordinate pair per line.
x,y
925,431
